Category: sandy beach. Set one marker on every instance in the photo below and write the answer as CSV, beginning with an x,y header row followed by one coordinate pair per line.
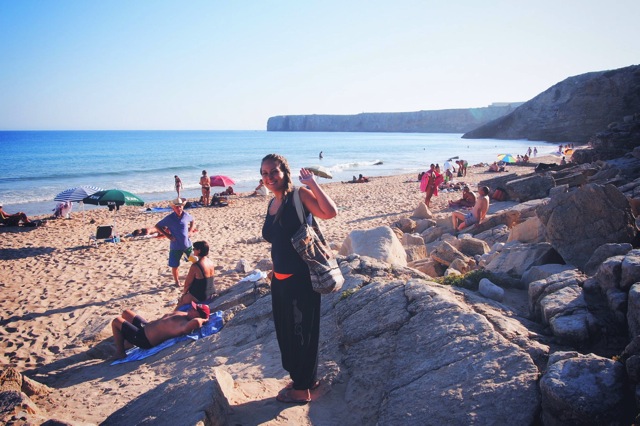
x,y
60,292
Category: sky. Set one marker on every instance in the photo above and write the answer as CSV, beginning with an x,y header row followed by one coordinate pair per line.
x,y
232,64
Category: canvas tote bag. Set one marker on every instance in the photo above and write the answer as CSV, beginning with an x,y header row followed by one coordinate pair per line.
x,y
310,244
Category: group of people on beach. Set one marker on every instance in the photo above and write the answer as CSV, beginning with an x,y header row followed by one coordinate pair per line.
x,y
295,305
205,184
433,179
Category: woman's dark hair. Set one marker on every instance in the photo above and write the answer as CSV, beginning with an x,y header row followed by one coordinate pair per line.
x,y
283,165
202,246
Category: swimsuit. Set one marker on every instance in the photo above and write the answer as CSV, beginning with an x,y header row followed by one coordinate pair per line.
x,y
202,288
470,219
134,333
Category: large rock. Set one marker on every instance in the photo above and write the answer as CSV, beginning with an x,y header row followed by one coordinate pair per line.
x,y
446,253
426,355
583,390
379,243
580,221
530,187
529,231
604,252
515,258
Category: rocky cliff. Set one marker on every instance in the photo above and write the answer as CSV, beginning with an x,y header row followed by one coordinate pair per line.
x,y
441,121
573,110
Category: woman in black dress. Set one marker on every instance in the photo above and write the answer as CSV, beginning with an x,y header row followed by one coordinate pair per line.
x,y
296,307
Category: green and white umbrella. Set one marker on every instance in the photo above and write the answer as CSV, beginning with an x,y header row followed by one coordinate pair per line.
x,y
113,197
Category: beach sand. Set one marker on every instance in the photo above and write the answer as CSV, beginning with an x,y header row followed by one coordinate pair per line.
x,y
60,293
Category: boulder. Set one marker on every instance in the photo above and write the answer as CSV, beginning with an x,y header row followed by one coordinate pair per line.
x,y
604,252
428,266
498,234
424,224
530,187
422,212
379,243
470,246
412,240
529,231
432,234
490,290
579,222
633,311
515,258
415,252
630,270
583,390
406,225
445,253
540,289
541,272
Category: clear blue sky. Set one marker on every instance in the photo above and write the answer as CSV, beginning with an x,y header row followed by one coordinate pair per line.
x,y
209,64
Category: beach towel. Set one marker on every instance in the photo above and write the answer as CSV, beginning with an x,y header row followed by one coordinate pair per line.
x,y
212,326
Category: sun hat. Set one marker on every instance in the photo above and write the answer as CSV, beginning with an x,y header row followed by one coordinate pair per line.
x,y
177,202
202,309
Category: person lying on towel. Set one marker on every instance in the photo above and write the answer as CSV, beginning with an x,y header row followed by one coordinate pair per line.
x,y
131,329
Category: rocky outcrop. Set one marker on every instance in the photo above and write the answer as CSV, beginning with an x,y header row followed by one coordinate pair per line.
x,y
440,121
578,222
573,110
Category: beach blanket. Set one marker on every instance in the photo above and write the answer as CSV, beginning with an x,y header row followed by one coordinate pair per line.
x,y
157,210
212,326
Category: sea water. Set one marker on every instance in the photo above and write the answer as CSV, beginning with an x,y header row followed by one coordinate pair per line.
x,y
37,165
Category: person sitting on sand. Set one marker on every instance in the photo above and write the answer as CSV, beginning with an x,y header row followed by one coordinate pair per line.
x,y
477,213
228,191
198,286
468,199
13,219
130,329
362,179
260,189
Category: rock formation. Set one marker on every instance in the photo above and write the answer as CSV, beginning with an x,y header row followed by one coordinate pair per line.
x,y
441,121
573,110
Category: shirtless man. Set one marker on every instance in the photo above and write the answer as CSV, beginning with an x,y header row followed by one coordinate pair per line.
x,y
468,199
477,214
131,330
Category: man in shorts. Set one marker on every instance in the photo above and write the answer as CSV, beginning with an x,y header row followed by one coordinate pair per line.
x,y
130,329
177,227
477,213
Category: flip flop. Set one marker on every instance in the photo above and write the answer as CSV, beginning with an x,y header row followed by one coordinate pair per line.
x,y
286,397
314,386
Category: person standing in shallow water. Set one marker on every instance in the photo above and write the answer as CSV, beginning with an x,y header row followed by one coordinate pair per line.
x,y
178,184
295,306
205,182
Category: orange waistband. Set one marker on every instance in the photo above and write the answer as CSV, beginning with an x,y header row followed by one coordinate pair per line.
x,y
281,276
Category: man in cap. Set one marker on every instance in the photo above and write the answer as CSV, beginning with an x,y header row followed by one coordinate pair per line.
x,y
177,227
130,329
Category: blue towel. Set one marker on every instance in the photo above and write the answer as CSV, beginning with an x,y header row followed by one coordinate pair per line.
x,y
212,326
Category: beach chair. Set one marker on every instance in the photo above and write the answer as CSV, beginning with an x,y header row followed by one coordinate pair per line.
x,y
102,233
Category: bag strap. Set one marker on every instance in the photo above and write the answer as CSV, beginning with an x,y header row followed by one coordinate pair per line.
x,y
298,203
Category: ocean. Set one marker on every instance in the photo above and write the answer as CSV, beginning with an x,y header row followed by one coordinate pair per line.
x,y
37,165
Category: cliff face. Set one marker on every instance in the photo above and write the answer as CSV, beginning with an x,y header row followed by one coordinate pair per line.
x,y
442,121
572,110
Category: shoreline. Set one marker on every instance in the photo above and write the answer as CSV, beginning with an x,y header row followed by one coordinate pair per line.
x,y
61,293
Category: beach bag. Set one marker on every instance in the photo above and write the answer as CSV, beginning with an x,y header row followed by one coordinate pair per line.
x,y
310,244
499,194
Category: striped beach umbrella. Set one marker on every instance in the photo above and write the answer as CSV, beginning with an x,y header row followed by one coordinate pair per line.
x,y
76,194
